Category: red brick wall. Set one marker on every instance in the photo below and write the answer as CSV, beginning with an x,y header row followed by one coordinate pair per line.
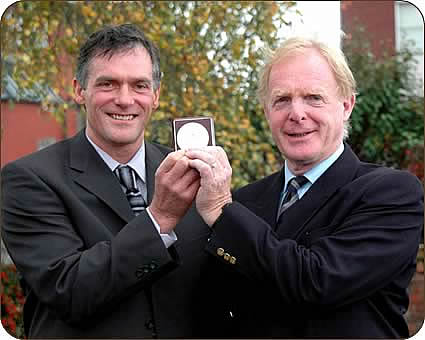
x,y
377,17
415,314
24,125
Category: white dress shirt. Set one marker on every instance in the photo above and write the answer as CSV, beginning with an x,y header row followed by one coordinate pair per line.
x,y
312,175
138,163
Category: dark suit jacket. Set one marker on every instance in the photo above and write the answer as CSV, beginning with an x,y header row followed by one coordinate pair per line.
x,y
339,263
93,270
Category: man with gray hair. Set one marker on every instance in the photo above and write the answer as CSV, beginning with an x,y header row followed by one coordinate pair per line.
x,y
326,247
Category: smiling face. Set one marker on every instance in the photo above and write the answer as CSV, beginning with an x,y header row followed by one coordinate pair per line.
x,y
304,110
119,99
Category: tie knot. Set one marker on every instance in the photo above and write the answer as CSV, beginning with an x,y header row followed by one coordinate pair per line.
x,y
127,177
296,183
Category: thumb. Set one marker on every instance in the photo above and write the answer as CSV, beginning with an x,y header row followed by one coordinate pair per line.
x,y
169,161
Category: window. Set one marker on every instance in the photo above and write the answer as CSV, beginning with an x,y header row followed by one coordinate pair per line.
x,y
410,33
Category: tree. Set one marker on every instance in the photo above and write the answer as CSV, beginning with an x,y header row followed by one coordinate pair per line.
x,y
388,119
210,53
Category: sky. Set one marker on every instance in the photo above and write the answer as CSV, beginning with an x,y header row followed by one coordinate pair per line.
x,y
320,19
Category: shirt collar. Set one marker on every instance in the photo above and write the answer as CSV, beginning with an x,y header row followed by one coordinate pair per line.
x,y
314,173
137,162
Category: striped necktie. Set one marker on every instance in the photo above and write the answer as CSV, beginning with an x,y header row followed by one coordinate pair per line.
x,y
127,177
292,193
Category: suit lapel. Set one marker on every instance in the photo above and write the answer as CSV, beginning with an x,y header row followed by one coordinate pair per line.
x,y
92,173
264,202
153,159
296,218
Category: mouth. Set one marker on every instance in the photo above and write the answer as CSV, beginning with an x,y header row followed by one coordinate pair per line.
x,y
121,117
299,135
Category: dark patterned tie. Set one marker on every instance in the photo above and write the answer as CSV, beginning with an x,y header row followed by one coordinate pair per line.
x,y
127,178
292,193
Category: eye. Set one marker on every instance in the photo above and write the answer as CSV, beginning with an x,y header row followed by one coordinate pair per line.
x,y
314,98
106,84
142,86
281,100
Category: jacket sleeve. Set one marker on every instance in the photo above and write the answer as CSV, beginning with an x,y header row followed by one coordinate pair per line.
x,y
75,281
376,240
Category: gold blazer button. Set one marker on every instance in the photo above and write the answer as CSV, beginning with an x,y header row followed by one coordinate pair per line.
x,y
220,251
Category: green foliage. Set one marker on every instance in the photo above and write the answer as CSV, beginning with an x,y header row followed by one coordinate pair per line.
x,y
388,119
210,54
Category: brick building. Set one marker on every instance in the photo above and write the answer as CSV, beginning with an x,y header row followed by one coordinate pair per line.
x,y
25,127
390,26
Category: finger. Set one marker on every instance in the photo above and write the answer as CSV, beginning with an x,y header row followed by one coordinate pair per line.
x,y
189,178
180,168
169,161
206,155
203,168
222,156
194,186
189,193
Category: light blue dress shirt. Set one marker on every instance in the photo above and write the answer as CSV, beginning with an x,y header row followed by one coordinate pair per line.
x,y
138,164
312,175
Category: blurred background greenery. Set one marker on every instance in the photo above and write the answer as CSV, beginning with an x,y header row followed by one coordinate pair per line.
x,y
211,53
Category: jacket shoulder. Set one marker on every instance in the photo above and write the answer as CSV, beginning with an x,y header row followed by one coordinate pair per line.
x,y
373,172
165,150
45,157
388,179
257,188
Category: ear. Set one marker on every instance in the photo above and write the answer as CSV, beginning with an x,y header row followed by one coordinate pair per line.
x,y
78,92
349,106
156,97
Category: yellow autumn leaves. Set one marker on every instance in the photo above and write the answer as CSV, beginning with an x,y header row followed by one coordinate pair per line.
x,y
209,61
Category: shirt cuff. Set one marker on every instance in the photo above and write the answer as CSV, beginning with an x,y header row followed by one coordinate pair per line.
x,y
169,238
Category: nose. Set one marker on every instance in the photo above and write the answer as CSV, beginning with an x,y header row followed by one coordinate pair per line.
x,y
297,111
124,97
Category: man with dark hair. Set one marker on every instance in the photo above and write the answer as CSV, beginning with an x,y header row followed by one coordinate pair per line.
x,y
106,247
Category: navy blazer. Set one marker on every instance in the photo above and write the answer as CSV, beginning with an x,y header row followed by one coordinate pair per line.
x,y
93,270
338,264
